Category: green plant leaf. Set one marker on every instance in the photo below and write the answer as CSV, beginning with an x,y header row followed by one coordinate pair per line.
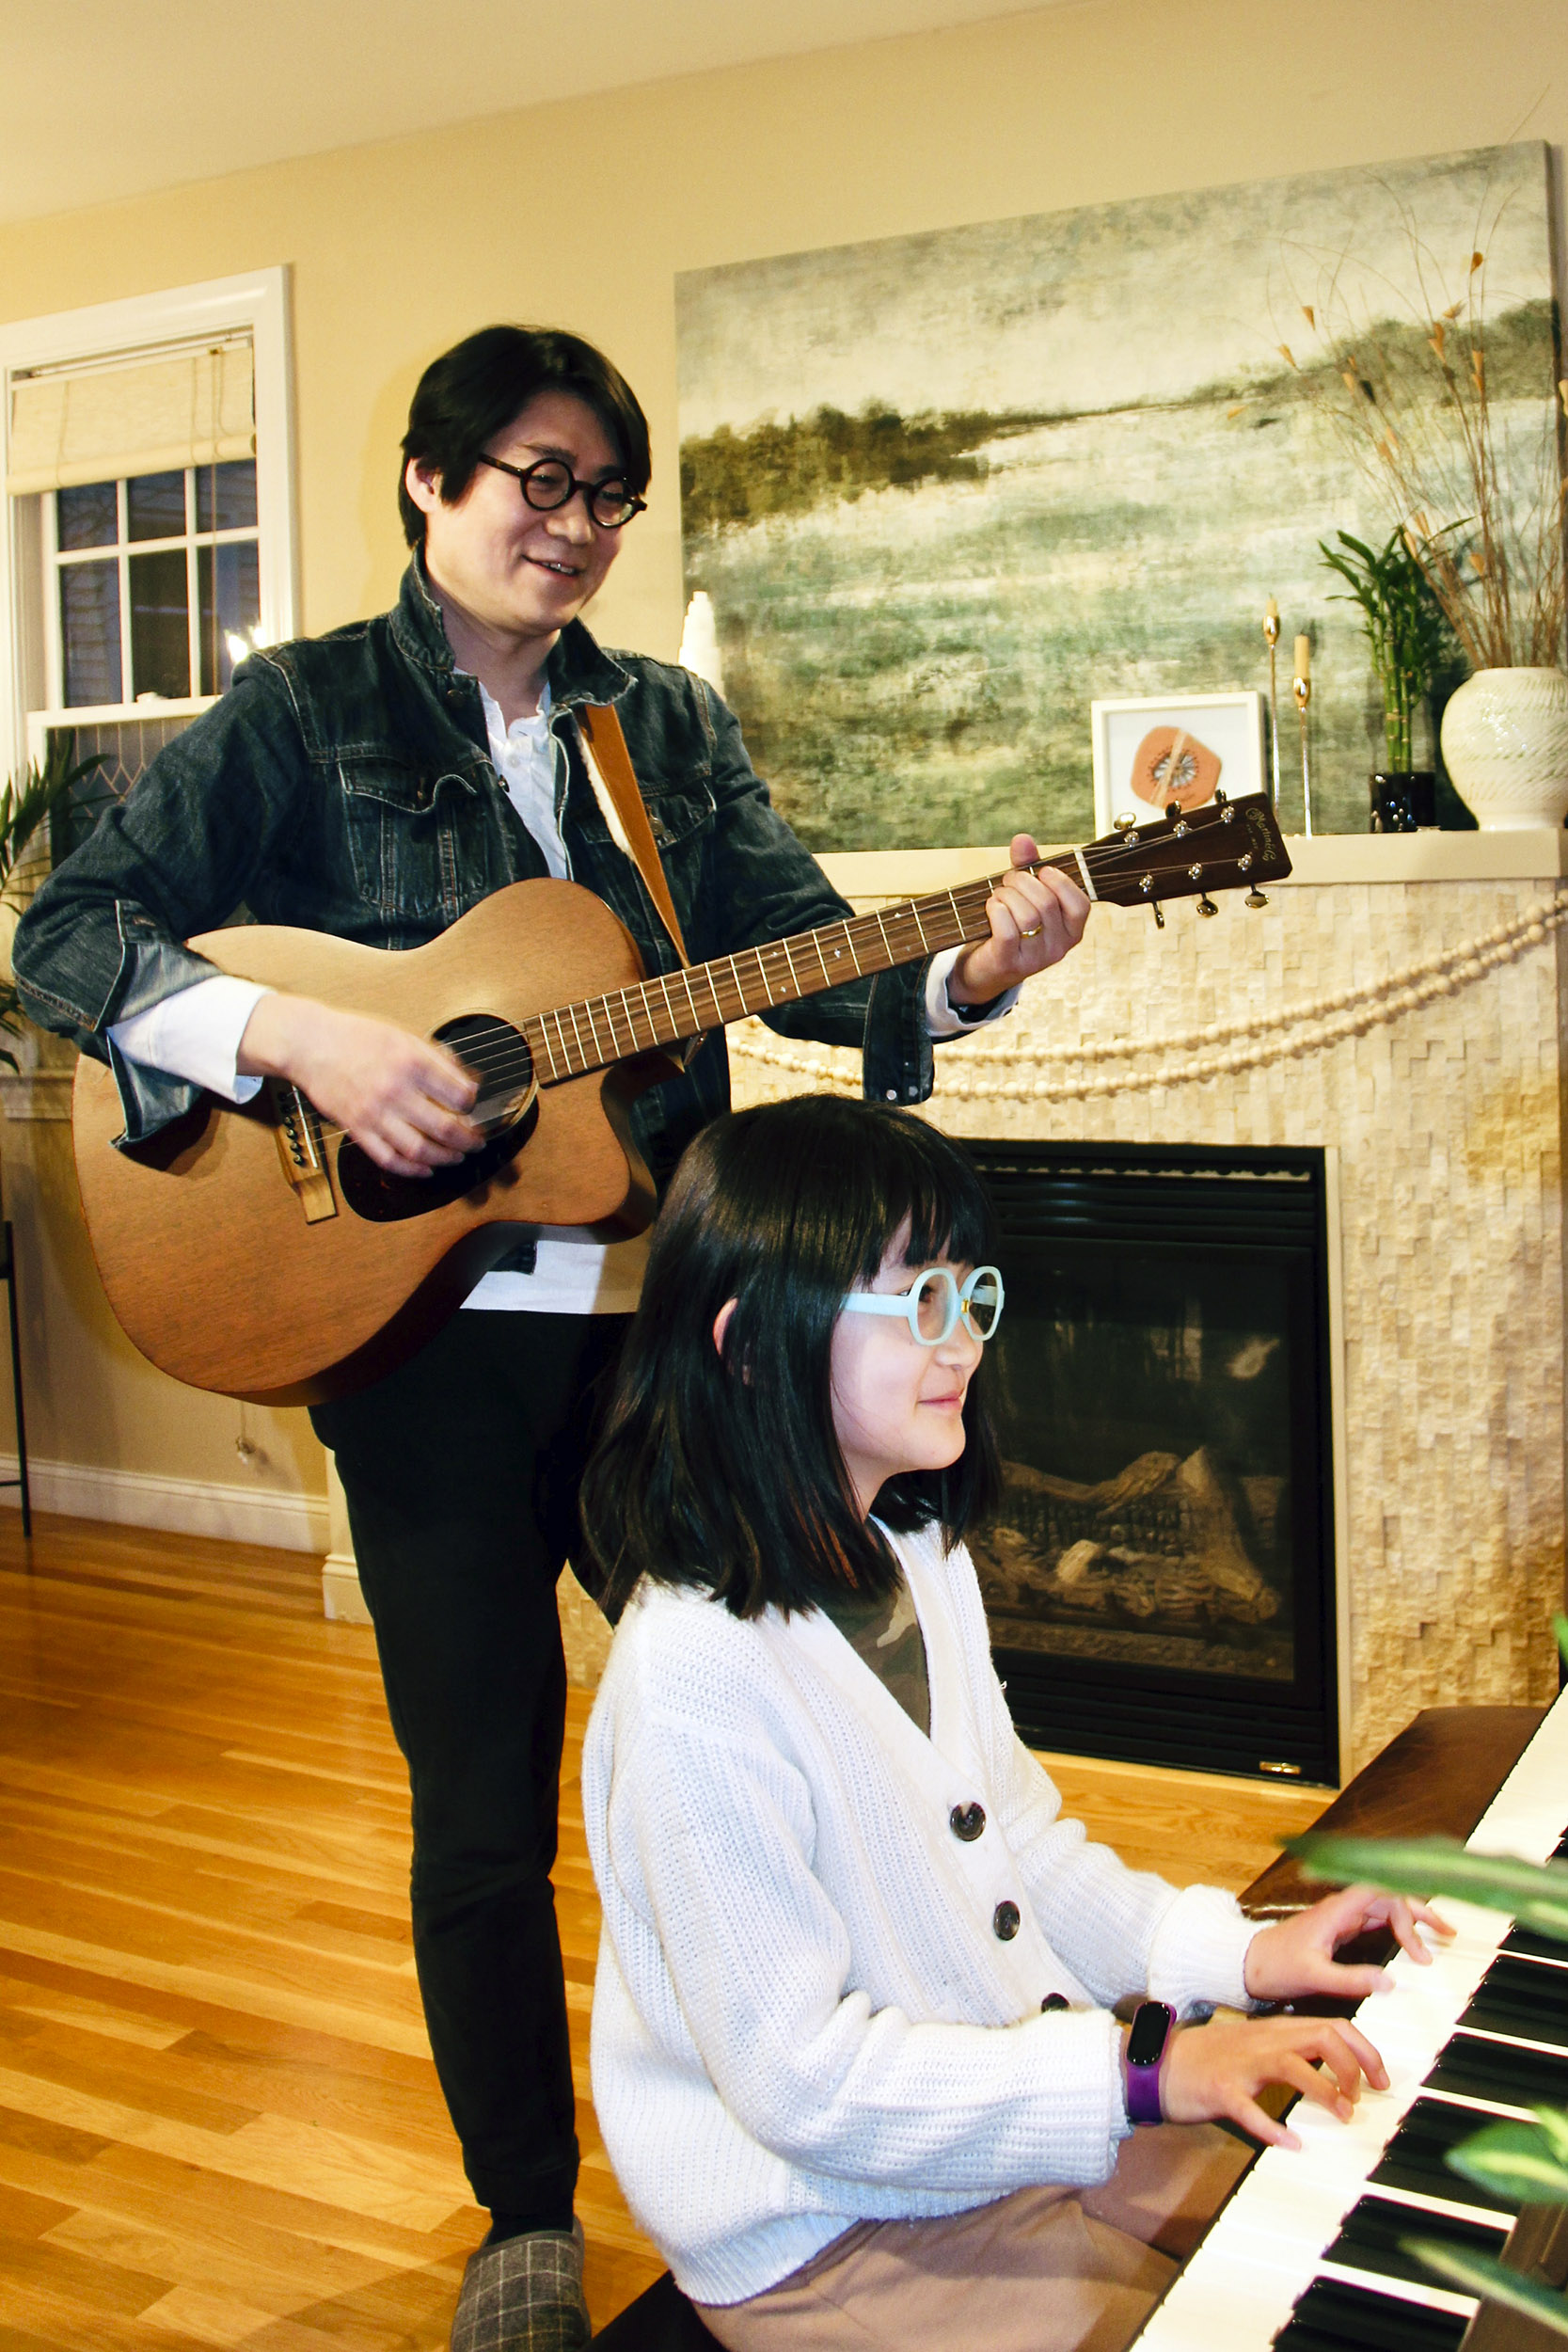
x,y
1559,1626
1535,1894
22,812
1525,2160
1484,2275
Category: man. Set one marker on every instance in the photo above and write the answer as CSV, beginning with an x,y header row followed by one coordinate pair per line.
x,y
375,784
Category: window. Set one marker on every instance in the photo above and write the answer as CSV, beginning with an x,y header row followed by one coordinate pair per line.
x,y
157,583
148,520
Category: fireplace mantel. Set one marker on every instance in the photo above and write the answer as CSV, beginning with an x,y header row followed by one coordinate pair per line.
x,y
1447,1121
1534,854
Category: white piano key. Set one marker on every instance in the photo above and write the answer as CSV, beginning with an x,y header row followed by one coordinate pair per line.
x,y
1431,2299
1526,1815
1453,2207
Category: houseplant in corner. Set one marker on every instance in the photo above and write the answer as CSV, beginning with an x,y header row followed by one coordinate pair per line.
x,y
1408,639
23,810
1444,410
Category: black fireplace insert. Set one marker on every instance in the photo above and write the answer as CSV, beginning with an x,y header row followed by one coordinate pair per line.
x,y
1159,1578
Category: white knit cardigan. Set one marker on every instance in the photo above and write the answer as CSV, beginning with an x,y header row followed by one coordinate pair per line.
x,y
805,2016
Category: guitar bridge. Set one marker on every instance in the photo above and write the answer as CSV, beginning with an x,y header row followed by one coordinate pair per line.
x,y
296,1124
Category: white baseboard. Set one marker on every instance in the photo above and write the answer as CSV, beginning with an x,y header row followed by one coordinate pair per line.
x,y
189,1506
341,1598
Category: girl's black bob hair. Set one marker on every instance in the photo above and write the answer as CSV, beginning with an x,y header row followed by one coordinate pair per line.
x,y
723,1472
475,390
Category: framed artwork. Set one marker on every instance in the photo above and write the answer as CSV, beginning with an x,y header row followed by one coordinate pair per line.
x,y
945,490
1152,749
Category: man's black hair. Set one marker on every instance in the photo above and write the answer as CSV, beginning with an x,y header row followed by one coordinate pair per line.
x,y
475,390
724,1470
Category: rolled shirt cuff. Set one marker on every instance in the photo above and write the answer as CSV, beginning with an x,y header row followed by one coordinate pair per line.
x,y
195,1035
944,1018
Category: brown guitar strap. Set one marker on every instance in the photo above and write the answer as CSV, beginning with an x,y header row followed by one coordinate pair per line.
x,y
614,781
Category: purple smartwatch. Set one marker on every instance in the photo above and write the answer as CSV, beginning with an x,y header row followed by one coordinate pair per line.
x,y
1142,2060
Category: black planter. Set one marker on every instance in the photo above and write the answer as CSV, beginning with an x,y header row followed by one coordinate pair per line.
x,y
1403,801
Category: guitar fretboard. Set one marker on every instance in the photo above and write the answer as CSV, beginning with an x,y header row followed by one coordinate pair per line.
x,y
571,1040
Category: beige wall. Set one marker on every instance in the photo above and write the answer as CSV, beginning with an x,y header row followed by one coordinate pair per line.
x,y
583,214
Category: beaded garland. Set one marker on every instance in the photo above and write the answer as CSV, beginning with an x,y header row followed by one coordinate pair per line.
x,y
1305,1028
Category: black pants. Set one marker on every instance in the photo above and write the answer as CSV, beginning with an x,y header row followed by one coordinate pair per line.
x,y
461,1472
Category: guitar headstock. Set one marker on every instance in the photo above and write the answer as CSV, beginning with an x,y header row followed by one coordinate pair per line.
x,y
1224,845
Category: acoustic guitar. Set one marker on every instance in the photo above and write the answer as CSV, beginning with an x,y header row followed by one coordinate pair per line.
x,y
256,1250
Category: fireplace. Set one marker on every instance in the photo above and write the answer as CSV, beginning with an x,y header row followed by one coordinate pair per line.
x,y
1159,1578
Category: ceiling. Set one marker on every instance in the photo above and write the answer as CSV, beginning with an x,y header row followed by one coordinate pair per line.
x,y
103,99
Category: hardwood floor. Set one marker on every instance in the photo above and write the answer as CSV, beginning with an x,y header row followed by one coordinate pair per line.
x,y
219,2124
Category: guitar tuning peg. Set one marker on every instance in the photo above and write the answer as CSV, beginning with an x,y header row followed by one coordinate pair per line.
x,y
1125,822
1159,914
1221,796
1206,905
1254,898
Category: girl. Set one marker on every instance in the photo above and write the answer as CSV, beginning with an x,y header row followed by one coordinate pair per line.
x,y
853,2051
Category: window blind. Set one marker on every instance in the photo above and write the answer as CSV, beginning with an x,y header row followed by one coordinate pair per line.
x,y
148,413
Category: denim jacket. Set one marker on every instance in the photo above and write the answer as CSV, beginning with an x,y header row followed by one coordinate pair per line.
x,y
344,783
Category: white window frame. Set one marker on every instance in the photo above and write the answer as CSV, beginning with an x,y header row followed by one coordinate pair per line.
x,y
257,303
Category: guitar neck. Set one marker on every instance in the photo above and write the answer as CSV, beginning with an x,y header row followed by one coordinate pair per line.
x,y
571,1040
1222,846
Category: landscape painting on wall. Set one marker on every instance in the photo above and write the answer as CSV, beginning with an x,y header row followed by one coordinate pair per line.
x,y
945,490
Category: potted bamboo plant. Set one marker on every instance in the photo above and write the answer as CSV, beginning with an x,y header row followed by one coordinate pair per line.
x,y
1408,639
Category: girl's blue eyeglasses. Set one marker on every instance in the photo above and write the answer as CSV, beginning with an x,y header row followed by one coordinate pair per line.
x,y
934,1301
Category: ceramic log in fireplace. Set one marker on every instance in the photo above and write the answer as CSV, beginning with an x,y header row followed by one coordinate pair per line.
x,y
1160,1578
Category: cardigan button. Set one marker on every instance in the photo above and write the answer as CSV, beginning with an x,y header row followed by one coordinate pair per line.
x,y
1006,1920
1054,2000
967,1821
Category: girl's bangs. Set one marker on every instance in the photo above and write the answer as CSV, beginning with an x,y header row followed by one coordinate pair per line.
x,y
912,1177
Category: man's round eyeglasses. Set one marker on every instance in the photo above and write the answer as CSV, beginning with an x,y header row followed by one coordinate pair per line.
x,y
549,484
934,1301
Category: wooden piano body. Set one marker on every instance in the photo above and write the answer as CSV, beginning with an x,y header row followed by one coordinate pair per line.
x,y
1305,2254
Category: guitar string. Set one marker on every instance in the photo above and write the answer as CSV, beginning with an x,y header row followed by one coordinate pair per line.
x,y
859,927
643,995
976,893
504,1061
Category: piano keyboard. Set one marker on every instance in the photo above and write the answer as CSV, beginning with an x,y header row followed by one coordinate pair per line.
x,y
1306,2255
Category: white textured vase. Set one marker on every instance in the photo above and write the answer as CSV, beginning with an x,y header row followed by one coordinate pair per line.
x,y
1505,744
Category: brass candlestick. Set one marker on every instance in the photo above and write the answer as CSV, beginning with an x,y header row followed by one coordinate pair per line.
x,y
1271,637
1301,686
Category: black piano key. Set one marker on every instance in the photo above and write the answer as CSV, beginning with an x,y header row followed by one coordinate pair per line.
x,y
1532,1946
1370,2233
1331,2317
1414,2157
1497,2069
1515,1996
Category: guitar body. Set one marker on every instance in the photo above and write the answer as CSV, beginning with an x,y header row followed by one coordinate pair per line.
x,y
203,1243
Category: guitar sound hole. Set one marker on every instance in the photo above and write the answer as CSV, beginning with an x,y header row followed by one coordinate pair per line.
x,y
507,1109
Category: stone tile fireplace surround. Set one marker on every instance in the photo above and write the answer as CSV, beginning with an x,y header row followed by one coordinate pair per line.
x,y
1446,1125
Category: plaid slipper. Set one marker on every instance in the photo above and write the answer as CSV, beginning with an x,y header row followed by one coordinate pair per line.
x,y
524,2295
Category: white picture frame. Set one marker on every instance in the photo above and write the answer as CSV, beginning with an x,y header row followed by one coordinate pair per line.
x,y
1217,740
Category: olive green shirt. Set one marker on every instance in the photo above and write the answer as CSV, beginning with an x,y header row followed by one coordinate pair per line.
x,y
885,1631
